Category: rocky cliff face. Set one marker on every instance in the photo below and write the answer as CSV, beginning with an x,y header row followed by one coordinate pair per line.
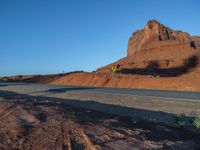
x,y
196,42
158,45
154,32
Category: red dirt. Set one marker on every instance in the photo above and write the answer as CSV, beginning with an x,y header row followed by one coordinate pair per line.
x,y
29,122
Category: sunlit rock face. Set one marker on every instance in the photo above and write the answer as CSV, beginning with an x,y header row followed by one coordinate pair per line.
x,y
154,33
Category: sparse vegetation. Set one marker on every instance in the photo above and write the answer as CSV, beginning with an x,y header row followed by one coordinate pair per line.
x,y
196,122
150,76
181,120
153,76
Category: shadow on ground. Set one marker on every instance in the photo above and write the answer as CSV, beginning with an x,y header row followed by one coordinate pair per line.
x,y
92,119
11,83
61,90
3,85
154,116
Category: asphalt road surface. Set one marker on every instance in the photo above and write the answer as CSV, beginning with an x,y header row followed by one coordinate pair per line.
x,y
161,94
154,105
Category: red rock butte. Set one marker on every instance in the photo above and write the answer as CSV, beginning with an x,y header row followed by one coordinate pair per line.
x,y
155,42
155,32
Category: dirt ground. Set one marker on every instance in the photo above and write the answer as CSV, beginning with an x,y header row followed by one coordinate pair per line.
x,y
28,122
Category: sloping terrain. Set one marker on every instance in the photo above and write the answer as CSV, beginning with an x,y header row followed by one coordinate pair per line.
x,y
158,57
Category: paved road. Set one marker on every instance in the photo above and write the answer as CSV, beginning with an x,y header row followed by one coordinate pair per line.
x,y
161,94
154,105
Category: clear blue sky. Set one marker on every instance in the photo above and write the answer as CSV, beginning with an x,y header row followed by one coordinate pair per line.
x,y
49,36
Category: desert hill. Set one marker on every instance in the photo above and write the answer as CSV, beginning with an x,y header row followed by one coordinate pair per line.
x,y
157,57
157,46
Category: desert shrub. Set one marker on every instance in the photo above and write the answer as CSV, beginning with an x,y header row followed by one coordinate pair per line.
x,y
196,122
181,120
153,76
150,76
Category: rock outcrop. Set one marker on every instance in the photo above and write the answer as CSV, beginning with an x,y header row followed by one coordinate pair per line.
x,y
155,32
160,47
196,42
